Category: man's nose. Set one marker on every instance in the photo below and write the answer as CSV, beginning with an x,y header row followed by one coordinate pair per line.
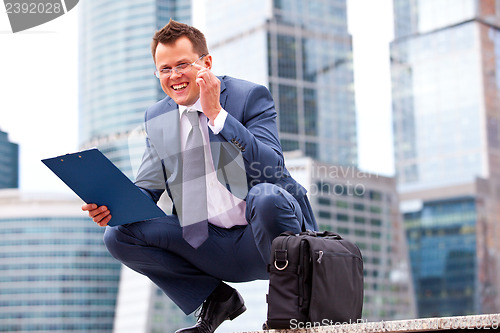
x,y
174,75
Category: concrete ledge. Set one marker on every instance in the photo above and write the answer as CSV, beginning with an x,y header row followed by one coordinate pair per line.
x,y
489,322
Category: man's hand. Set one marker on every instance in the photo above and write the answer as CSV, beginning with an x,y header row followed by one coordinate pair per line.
x,y
209,92
101,215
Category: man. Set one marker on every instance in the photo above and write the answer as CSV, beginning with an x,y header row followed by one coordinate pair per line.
x,y
223,229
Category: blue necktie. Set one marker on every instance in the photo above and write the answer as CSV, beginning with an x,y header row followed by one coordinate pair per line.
x,y
194,188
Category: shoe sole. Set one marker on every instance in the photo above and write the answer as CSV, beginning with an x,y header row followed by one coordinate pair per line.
x,y
237,312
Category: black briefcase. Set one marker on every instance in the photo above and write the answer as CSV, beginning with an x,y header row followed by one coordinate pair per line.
x,y
315,278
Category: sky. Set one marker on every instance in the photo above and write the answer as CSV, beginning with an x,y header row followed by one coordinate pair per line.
x,y
39,90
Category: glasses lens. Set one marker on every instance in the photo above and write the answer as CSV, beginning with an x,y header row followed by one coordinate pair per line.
x,y
183,68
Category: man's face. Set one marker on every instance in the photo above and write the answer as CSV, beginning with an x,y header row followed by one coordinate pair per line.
x,y
182,88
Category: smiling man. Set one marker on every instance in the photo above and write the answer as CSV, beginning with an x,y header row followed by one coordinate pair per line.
x,y
213,145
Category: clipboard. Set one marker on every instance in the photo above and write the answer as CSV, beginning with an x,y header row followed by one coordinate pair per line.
x,y
95,179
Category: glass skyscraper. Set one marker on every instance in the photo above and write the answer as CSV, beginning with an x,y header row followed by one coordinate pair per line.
x,y
302,51
445,62
116,81
446,80
442,243
55,272
9,162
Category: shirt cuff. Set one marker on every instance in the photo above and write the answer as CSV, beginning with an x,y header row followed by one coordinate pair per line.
x,y
219,122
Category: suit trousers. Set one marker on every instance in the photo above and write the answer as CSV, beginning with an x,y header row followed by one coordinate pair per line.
x,y
188,276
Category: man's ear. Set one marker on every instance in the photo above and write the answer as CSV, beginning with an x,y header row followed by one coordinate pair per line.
x,y
207,60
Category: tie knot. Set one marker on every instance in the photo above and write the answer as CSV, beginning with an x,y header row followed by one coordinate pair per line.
x,y
192,117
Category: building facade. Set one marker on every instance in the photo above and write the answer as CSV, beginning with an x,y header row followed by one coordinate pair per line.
x,y
446,83
116,78
9,162
445,62
442,247
55,272
302,51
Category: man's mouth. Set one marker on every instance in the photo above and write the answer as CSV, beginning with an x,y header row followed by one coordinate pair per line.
x,y
180,86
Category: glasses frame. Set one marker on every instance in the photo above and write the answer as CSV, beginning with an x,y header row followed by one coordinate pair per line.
x,y
167,72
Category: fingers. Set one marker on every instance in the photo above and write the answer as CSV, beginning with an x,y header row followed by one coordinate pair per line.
x,y
104,221
209,91
206,78
87,207
100,215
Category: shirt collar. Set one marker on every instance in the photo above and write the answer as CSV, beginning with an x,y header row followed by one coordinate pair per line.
x,y
195,106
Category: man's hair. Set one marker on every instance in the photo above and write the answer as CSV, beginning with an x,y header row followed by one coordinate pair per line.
x,y
174,30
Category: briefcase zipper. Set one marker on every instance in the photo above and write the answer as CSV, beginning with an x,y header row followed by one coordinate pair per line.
x,y
320,255
300,271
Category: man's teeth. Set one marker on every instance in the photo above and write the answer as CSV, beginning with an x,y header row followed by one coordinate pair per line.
x,y
180,86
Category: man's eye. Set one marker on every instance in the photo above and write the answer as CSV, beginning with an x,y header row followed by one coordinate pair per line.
x,y
183,66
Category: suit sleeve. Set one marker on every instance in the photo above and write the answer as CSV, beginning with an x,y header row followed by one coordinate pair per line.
x,y
256,136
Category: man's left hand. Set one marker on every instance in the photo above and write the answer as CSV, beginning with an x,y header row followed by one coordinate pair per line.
x,y
209,92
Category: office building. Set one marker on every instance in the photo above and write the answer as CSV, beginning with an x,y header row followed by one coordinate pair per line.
x,y
452,238
445,66
9,162
363,208
445,62
116,80
55,272
302,51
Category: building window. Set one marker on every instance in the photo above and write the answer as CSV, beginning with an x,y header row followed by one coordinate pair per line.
x,y
324,201
325,215
359,220
287,57
359,232
342,217
287,114
343,231
312,149
310,112
289,145
342,204
375,196
359,206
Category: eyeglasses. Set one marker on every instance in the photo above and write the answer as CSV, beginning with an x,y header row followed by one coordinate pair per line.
x,y
180,69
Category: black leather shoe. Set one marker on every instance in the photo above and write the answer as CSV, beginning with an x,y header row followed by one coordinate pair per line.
x,y
214,313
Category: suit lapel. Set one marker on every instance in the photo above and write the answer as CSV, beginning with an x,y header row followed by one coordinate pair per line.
x,y
215,140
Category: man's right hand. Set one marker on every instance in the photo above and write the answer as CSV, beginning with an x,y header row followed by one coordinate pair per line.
x,y
101,215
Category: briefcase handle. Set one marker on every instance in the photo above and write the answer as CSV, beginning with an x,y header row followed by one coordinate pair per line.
x,y
324,234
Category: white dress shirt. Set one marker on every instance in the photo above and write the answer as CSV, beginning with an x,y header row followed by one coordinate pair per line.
x,y
224,209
